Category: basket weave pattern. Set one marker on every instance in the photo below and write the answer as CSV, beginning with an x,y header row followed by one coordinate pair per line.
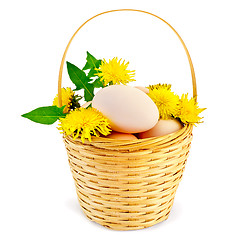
x,y
126,185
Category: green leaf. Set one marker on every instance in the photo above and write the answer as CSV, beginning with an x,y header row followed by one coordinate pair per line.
x,y
45,115
88,95
92,62
81,81
98,83
91,73
77,76
87,66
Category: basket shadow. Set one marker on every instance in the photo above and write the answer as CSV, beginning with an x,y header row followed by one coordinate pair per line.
x,y
73,205
175,212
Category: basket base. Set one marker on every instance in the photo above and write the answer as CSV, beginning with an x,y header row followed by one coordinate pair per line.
x,y
127,225
128,228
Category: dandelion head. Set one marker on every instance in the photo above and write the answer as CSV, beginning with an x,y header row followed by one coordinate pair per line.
x,y
189,111
115,72
85,122
166,101
67,96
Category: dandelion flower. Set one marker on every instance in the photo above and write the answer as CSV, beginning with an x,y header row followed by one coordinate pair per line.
x,y
157,86
115,72
84,122
166,101
68,98
189,110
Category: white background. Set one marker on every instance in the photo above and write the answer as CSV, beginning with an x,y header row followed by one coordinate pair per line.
x,y
37,194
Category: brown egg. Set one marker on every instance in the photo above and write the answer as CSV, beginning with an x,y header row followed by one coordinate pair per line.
x,y
144,89
121,136
163,127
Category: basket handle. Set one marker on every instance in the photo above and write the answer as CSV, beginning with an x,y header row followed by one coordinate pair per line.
x,y
118,10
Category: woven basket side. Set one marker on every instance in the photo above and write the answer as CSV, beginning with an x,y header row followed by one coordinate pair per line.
x,y
132,189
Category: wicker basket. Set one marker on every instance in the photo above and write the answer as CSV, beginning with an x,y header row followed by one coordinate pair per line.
x,y
123,184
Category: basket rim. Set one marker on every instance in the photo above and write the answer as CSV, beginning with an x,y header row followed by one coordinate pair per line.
x,y
168,137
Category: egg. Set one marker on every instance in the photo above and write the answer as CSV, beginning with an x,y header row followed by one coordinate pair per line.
x,y
121,136
128,109
86,104
163,127
144,89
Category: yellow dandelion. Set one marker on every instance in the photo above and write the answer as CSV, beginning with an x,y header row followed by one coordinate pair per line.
x,y
166,101
115,72
84,122
189,110
67,96
157,86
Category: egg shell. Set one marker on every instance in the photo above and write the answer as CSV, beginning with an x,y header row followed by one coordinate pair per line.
x,y
121,136
162,128
86,104
144,89
128,109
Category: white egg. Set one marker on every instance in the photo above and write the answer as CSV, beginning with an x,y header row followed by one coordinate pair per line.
x,y
128,109
163,127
